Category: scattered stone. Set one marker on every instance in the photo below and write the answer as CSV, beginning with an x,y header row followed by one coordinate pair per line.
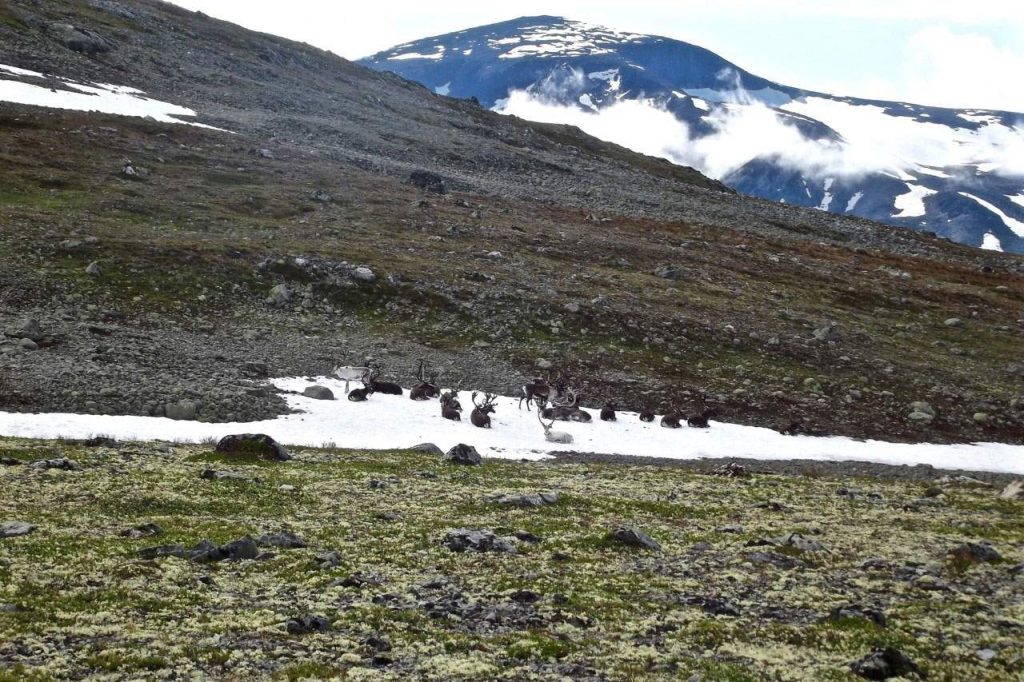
x,y
280,296
980,417
777,560
633,538
243,548
100,441
307,623
464,539
792,540
363,274
930,583
731,470
258,444
328,560
321,195
141,531
953,322
985,654
28,344
463,454
527,536
218,475
773,505
428,448
10,462
79,39
258,370
60,463
714,605
828,333
964,481
525,597
13,529
671,272
881,664
93,269
733,528
1013,490
318,393
843,612
525,501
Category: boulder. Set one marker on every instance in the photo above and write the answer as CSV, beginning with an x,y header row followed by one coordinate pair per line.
x,y
258,444
633,538
80,39
428,448
318,393
280,296
466,539
305,624
463,454
363,274
881,664
672,272
13,529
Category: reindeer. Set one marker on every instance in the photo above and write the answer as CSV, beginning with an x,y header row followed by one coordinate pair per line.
x,y
553,436
481,413
450,407
427,388
358,395
349,374
608,412
385,387
672,419
700,421
540,391
647,415
566,408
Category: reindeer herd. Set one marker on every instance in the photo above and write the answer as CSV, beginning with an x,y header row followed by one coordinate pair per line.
x,y
552,395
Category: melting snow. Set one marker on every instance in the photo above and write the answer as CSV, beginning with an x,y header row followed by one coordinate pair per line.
x,y
99,97
417,55
852,203
911,204
990,242
386,422
1015,225
443,89
1019,199
826,200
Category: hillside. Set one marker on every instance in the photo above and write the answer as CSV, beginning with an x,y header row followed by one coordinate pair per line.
x,y
954,172
228,255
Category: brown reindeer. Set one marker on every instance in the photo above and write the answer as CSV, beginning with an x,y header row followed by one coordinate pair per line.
x,y
358,395
450,407
427,388
542,390
566,408
608,412
480,416
647,415
700,421
672,420
385,387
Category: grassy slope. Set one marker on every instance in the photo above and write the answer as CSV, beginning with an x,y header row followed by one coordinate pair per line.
x,y
87,605
183,244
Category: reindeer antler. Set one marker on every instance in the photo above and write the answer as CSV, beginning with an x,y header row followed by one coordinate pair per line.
x,y
473,398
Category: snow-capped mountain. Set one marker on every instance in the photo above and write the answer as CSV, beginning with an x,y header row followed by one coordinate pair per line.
x,y
958,173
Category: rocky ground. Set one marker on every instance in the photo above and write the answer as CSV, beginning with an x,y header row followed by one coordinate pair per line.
x,y
166,561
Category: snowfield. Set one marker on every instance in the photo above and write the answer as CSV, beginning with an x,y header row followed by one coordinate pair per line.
x,y
391,422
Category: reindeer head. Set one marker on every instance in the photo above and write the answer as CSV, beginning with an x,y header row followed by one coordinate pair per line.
x,y
487,407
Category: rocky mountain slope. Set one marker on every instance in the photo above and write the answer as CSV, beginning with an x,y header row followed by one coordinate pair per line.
x,y
953,172
330,212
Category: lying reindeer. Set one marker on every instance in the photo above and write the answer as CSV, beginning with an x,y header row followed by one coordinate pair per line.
x,y
358,395
553,436
566,409
385,387
481,413
672,419
450,407
647,415
427,389
608,412
700,421
349,374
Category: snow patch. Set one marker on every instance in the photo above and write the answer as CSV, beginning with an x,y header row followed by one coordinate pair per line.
x,y
852,203
1016,226
826,200
1018,199
444,89
990,242
911,204
388,422
417,55
96,97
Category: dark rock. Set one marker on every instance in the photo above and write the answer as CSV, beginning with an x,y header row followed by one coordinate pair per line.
x,y
258,370
463,454
714,605
777,560
976,553
427,181
10,462
284,540
328,560
243,548
321,195
792,540
258,444
100,442
428,448
633,538
80,39
13,529
318,393
464,539
527,536
672,272
162,551
525,501
217,475
525,597
307,623
881,664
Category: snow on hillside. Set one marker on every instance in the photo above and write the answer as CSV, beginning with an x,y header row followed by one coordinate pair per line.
x,y
392,422
98,97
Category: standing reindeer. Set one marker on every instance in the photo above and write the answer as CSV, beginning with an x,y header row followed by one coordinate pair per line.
x,y
553,436
349,374
385,387
481,413
542,390
427,388
450,407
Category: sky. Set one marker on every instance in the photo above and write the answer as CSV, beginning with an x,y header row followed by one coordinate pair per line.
x,y
937,52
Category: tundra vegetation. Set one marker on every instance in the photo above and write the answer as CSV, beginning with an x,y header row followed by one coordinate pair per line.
x,y
156,560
